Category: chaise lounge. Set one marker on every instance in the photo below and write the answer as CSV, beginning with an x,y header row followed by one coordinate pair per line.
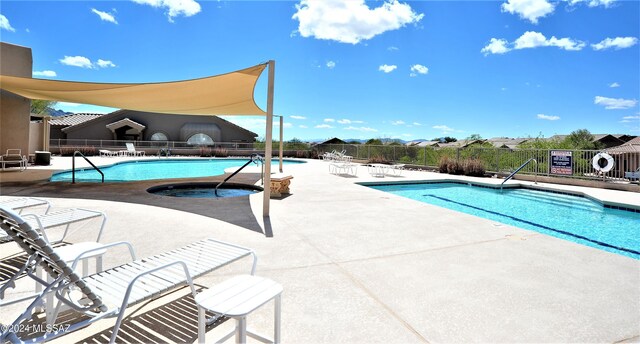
x,y
14,157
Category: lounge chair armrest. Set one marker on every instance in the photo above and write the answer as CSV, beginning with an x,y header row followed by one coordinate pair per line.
x,y
104,247
104,221
40,226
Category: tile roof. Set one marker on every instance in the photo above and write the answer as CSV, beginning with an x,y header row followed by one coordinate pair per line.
x,y
73,119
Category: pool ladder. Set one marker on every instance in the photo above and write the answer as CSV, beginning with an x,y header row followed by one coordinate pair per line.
x,y
518,170
73,166
255,158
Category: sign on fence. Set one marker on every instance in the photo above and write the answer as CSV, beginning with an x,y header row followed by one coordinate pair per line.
x,y
561,163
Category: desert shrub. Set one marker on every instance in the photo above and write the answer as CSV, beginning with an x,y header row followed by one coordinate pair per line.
x,y
206,152
220,152
302,154
473,167
85,150
378,159
454,167
443,163
313,154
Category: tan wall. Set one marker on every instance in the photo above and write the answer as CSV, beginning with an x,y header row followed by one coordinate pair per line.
x,y
14,110
35,137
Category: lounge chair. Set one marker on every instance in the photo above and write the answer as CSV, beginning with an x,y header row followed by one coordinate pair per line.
x,y
14,157
64,217
108,293
131,149
22,203
107,153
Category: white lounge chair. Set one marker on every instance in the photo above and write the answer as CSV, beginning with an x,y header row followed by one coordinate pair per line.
x,y
131,149
14,157
108,293
107,153
21,203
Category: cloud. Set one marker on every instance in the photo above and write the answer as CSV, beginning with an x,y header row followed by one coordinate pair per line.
x,y
630,119
367,129
593,3
324,126
329,120
615,43
548,118
397,122
496,46
298,117
613,85
331,64
615,104
344,121
530,10
174,8
392,48
445,129
303,126
387,68
530,40
351,21
47,73
417,124
418,69
77,61
105,16
104,63
5,25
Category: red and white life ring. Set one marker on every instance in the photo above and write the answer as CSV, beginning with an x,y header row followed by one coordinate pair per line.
x,y
603,166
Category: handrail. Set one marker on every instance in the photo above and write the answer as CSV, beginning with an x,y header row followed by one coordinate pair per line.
x,y
254,158
73,167
518,170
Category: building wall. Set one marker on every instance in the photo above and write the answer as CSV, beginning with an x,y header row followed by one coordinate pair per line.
x,y
168,124
14,110
35,136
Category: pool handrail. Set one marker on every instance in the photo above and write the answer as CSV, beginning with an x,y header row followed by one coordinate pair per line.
x,y
73,166
518,170
255,158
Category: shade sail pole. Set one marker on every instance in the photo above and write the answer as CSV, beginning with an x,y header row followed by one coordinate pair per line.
x,y
268,141
281,143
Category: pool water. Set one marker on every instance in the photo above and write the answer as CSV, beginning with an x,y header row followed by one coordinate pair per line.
x,y
157,169
569,217
199,192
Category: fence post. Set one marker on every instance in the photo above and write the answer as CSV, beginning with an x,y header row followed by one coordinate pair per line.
x,y
497,160
425,156
458,154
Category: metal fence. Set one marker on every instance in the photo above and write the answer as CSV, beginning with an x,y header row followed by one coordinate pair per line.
x,y
495,160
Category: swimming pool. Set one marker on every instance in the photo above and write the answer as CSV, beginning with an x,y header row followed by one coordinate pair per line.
x,y
565,216
156,169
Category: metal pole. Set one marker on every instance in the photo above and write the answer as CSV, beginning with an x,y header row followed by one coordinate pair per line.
x,y
281,142
268,141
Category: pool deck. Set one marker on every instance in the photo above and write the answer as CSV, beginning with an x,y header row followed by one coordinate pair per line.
x,y
362,266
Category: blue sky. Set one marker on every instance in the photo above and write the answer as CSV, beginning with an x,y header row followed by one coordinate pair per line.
x,y
355,69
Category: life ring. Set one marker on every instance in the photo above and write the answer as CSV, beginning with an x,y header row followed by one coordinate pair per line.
x,y
601,166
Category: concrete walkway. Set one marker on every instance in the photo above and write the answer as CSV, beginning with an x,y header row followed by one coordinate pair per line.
x,y
361,266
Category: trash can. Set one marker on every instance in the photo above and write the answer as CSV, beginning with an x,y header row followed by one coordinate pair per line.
x,y
43,158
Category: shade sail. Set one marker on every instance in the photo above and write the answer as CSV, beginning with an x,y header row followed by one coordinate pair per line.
x,y
226,94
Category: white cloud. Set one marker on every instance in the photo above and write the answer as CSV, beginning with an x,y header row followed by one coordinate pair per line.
x,y
324,126
547,117
298,117
399,122
392,48
615,43
593,3
77,61
417,124
496,46
532,39
331,64
387,68
351,21
344,121
303,126
418,69
68,104
329,120
613,85
503,89
445,129
530,10
104,63
630,119
47,73
4,24
174,8
366,129
615,104
105,16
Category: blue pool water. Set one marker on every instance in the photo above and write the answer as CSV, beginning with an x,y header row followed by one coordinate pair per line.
x,y
157,169
569,217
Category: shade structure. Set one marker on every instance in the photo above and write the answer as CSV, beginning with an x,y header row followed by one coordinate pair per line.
x,y
225,94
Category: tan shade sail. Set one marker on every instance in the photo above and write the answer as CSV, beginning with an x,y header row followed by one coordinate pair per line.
x,y
226,94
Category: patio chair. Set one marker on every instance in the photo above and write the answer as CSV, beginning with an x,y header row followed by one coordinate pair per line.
x,y
108,293
20,204
14,157
107,153
131,149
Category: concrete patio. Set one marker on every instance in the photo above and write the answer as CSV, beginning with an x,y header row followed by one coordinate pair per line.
x,y
361,266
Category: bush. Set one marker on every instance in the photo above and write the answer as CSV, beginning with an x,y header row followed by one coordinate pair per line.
x,y
473,167
85,150
205,152
443,163
302,154
454,167
378,159
220,152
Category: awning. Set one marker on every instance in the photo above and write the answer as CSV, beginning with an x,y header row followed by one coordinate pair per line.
x,y
226,94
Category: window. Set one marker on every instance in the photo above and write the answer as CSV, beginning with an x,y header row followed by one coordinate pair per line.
x,y
159,137
200,139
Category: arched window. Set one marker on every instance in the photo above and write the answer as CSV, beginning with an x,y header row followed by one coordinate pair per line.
x,y
159,137
200,139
